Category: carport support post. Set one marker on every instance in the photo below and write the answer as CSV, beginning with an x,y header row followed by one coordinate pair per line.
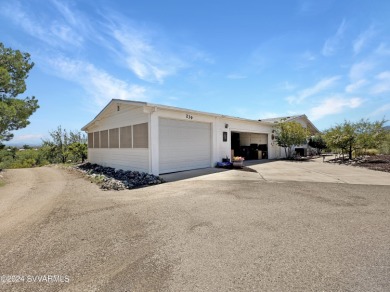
x,y
154,144
270,147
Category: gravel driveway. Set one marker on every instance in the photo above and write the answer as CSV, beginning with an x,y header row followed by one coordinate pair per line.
x,y
193,235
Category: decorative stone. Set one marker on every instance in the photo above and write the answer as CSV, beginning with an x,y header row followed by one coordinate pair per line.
x,y
110,179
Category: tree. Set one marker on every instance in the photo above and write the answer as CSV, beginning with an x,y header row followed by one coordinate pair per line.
x,y
342,136
385,146
317,142
289,134
370,135
14,112
64,144
57,147
350,136
79,151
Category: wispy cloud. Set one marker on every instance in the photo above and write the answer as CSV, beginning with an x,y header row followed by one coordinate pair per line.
x,y
359,70
383,84
333,105
332,44
75,20
353,87
363,39
57,33
321,86
144,51
100,85
144,59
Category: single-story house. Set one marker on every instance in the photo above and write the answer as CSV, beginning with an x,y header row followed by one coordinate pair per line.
x,y
153,138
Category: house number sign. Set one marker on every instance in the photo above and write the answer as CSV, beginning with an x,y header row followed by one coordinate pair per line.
x,y
189,117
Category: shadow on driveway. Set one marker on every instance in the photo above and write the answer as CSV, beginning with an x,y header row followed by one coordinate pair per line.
x,y
181,175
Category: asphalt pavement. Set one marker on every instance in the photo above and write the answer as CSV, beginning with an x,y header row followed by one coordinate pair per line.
x,y
228,231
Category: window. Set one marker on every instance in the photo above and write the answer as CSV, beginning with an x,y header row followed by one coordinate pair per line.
x,y
126,137
141,136
90,140
96,140
104,139
114,138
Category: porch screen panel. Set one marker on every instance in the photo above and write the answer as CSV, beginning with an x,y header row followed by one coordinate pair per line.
x,y
104,139
96,143
126,137
90,140
141,136
114,138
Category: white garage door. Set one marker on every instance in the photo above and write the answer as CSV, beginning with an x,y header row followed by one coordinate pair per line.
x,y
184,145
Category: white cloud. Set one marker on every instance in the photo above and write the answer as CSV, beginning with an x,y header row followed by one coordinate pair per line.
x,y
99,84
359,70
321,86
353,87
67,13
333,105
333,43
56,33
363,39
146,55
27,137
383,84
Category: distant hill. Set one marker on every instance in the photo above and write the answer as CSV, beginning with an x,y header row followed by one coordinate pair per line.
x,y
387,128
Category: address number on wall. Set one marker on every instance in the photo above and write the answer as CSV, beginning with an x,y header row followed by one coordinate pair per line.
x,y
189,117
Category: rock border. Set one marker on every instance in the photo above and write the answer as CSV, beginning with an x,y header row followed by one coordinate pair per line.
x,y
109,178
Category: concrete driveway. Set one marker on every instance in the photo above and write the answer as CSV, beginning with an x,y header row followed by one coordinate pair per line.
x,y
293,171
317,171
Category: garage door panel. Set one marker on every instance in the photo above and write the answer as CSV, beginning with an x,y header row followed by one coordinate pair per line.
x,y
184,145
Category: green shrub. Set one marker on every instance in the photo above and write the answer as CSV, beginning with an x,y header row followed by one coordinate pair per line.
x,y
372,152
22,159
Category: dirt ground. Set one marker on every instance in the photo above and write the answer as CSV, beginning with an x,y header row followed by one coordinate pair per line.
x,y
376,162
193,235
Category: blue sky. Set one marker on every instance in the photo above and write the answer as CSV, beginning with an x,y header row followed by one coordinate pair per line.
x,y
252,59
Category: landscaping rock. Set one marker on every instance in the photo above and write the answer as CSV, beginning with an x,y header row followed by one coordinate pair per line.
x,y
110,179
377,162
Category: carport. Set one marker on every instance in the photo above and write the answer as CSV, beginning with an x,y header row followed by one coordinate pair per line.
x,y
251,146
